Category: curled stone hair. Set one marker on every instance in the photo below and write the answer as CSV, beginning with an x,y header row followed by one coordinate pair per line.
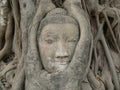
x,y
57,16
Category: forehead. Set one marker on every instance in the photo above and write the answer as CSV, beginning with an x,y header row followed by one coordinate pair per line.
x,y
60,28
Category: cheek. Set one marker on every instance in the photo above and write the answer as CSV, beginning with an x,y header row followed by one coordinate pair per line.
x,y
47,51
70,47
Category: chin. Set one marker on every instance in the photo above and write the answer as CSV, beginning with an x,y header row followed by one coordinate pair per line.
x,y
60,66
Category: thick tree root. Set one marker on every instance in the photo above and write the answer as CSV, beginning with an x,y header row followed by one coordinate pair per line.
x,y
8,38
32,49
107,78
111,31
16,15
4,9
20,78
80,61
111,64
95,84
2,35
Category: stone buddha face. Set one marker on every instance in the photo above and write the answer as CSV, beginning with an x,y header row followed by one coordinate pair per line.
x,y
57,42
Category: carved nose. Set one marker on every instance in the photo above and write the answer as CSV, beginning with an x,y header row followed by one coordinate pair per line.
x,y
61,52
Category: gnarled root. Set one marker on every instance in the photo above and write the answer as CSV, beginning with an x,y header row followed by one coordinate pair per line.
x,y
9,67
107,79
81,60
4,7
20,81
32,55
2,35
8,37
110,63
95,84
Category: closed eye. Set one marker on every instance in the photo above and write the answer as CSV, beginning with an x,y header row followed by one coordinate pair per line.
x,y
50,41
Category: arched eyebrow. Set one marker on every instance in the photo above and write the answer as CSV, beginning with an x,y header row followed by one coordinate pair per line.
x,y
76,37
49,34
72,38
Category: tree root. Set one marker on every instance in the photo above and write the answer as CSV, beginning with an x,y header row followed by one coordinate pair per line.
x,y
107,78
9,67
110,63
97,8
95,84
107,52
32,49
4,9
16,14
32,55
82,57
111,31
8,38
2,35
19,85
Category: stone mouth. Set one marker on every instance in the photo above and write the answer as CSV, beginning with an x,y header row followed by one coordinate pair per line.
x,y
62,62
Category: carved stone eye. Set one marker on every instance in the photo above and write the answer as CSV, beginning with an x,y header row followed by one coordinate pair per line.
x,y
49,41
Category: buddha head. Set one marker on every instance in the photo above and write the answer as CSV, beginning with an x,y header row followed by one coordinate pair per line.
x,y
57,37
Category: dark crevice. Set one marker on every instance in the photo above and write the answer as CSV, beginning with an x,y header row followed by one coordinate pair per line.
x,y
58,3
24,5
